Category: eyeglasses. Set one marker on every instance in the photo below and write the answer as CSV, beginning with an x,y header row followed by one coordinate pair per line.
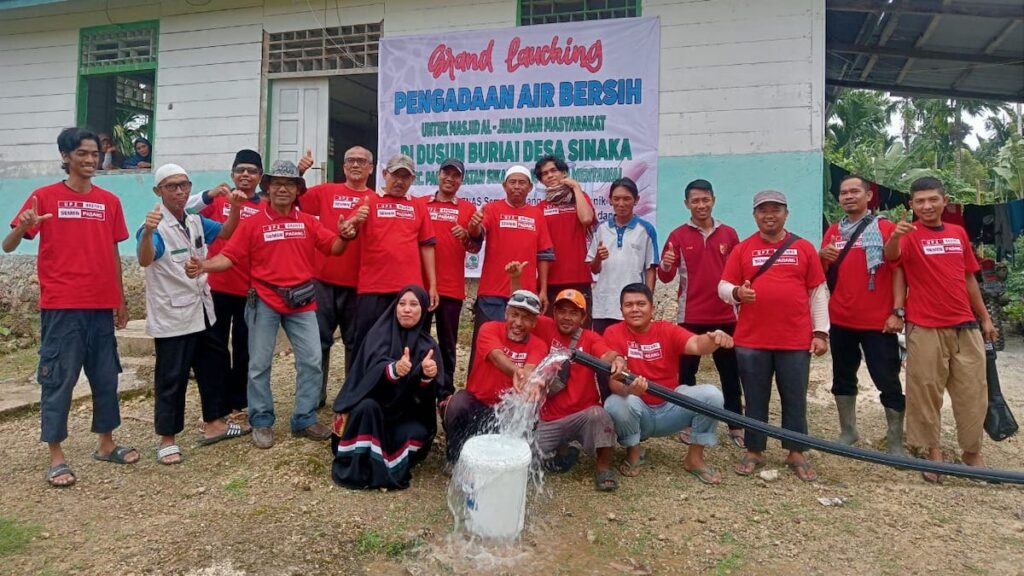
x,y
356,162
183,186
245,170
525,299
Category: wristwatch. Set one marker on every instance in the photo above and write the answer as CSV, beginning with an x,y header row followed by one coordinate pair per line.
x,y
900,313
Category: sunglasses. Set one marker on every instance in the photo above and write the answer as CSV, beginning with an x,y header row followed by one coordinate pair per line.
x,y
245,170
183,186
524,299
356,161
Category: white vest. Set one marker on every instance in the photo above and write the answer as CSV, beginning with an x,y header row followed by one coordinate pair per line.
x,y
175,302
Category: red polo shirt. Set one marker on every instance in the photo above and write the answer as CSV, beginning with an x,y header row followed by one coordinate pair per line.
x,y
581,391
653,354
391,240
281,250
936,263
780,318
77,263
234,280
333,202
449,252
518,234
571,240
700,262
486,382
852,304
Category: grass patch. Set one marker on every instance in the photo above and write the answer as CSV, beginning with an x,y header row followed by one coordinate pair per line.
x,y
238,487
15,535
729,564
372,543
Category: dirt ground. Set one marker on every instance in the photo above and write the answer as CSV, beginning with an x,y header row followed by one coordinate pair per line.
x,y
231,509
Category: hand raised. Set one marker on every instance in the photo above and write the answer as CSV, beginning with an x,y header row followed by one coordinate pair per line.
x,y
306,162
669,257
237,198
429,365
31,218
904,226
221,189
830,252
404,364
602,251
153,218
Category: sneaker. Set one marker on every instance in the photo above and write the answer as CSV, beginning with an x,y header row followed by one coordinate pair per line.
x,y
317,432
263,437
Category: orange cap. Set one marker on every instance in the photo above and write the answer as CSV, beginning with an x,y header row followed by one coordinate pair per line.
x,y
574,296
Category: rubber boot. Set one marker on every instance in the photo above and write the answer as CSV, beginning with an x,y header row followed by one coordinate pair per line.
x,y
325,367
847,406
894,432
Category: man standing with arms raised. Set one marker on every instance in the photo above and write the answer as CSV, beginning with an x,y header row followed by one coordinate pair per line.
x,y
698,250
865,310
450,217
569,214
80,295
945,351
338,276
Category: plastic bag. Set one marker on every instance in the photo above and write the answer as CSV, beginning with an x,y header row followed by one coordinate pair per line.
x,y
999,421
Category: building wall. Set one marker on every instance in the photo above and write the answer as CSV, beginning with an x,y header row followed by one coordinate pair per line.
x,y
742,90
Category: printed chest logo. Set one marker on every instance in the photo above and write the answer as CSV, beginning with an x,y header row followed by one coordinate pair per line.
x,y
395,210
840,243
790,257
560,209
939,246
285,231
345,202
74,209
517,222
244,213
517,358
645,352
439,214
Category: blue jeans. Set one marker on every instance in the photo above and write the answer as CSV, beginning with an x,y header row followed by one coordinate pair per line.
x,y
304,335
635,420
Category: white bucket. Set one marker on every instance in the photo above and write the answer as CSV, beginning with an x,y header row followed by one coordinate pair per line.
x,y
496,470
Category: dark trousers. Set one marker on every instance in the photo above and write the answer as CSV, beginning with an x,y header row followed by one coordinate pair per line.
x,y
231,327
335,309
464,418
369,308
174,357
725,362
73,339
791,369
586,289
881,354
447,316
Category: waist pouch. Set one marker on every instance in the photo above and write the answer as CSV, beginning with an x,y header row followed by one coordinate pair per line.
x,y
296,296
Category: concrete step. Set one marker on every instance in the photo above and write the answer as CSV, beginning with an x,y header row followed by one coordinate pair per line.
x,y
134,342
136,375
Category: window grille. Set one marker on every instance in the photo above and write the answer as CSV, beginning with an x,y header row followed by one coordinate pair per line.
x,y
551,11
119,46
325,49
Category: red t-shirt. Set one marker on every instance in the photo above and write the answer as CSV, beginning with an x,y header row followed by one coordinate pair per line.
x,y
512,234
486,382
571,240
391,240
581,391
234,280
449,252
280,250
702,261
653,354
936,263
852,304
332,202
780,318
77,247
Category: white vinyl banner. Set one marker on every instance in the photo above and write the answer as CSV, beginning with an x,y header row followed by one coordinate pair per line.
x,y
586,92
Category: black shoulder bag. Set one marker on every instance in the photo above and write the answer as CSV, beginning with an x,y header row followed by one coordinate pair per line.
x,y
833,271
771,259
999,421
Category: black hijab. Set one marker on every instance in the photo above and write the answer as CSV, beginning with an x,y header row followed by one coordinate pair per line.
x,y
384,344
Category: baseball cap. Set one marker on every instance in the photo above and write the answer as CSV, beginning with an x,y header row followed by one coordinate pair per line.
x,y
166,171
765,196
525,300
518,169
399,161
573,296
453,163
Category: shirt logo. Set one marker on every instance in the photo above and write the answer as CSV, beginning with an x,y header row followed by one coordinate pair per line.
x,y
550,210
74,209
790,256
517,358
939,246
645,352
395,210
345,202
443,214
840,244
243,214
285,231
517,222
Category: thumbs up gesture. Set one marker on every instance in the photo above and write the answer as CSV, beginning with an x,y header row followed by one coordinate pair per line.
x,y
904,226
429,365
830,252
31,218
745,294
669,257
602,251
404,364
153,218
476,220
363,212
193,267
306,162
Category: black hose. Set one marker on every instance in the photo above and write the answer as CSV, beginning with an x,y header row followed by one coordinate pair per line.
x,y
978,473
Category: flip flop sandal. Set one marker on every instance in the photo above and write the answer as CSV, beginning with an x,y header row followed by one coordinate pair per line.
x,y
737,440
705,474
684,437
630,470
61,469
746,461
809,474
117,455
932,477
233,431
605,481
166,451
